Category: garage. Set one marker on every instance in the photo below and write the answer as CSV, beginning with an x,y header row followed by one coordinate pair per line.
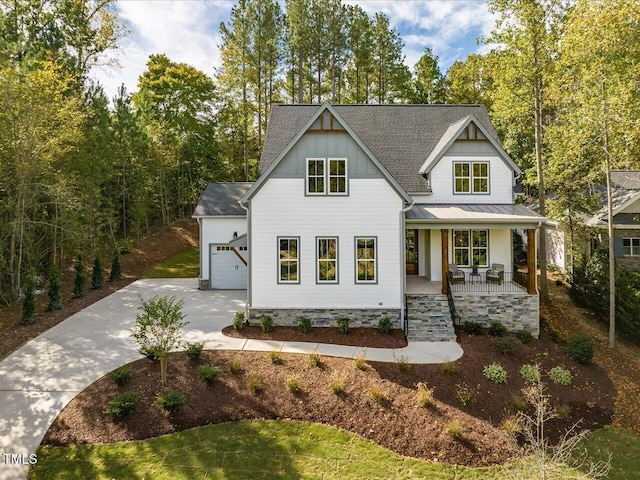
x,y
228,267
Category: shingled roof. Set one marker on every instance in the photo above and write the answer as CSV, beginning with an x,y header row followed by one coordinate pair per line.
x,y
400,136
625,188
221,199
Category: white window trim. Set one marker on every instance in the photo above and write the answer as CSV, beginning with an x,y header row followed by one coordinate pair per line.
x,y
471,178
318,259
375,259
306,178
631,247
329,176
470,247
297,260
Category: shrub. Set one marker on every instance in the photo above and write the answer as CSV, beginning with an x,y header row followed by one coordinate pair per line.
x,y
276,358
505,344
424,395
116,269
466,395
209,373
472,328
377,394
343,324
122,404
403,363
518,402
29,301
266,323
554,335
563,411
254,386
170,401
55,300
530,373
385,324
511,425
315,359
234,365
561,376
454,430
194,350
336,386
304,324
524,336
495,372
80,280
121,375
580,347
238,320
360,362
97,281
293,384
149,352
497,329
449,368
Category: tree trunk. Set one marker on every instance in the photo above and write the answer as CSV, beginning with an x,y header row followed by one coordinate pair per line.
x,y
542,247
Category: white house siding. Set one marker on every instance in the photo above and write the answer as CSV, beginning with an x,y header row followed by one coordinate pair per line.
x,y
500,181
217,230
280,208
499,250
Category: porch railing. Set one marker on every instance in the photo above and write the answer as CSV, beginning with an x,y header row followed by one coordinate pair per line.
x,y
479,283
452,309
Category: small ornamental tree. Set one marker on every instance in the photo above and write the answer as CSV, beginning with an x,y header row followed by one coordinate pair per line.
x,y
29,302
80,282
158,328
55,298
97,281
116,270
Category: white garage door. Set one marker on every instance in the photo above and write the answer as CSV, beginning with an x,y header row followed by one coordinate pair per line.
x,y
228,271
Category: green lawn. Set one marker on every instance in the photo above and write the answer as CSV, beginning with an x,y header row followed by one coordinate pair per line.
x,y
249,449
624,447
183,265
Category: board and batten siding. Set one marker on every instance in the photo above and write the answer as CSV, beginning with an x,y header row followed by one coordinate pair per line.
x,y
217,230
280,209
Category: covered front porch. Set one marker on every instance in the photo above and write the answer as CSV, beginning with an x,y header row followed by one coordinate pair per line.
x,y
418,285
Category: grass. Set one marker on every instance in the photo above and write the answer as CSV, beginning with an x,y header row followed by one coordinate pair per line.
x,y
266,449
624,447
182,265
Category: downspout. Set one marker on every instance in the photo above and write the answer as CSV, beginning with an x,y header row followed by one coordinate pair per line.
x,y
200,254
403,262
250,249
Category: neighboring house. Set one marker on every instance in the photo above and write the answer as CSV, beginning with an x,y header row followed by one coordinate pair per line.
x,y
625,194
360,210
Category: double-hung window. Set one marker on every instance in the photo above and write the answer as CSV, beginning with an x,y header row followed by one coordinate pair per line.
x,y
327,260
366,260
288,262
327,176
471,247
470,177
631,246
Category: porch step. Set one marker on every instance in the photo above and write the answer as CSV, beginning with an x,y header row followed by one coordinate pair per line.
x,y
429,318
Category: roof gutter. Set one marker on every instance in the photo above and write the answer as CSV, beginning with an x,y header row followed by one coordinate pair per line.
x,y
250,251
403,264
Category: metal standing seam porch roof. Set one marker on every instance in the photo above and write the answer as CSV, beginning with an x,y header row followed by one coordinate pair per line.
x,y
473,213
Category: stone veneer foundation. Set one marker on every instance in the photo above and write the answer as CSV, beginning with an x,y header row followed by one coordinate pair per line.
x,y
515,311
359,317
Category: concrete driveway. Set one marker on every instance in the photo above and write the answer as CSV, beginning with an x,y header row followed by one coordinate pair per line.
x,y
39,379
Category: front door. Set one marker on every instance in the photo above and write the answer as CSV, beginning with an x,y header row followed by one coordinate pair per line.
x,y
411,251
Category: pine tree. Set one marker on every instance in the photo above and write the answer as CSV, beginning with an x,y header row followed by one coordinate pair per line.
x,y
80,282
55,301
29,303
116,270
96,276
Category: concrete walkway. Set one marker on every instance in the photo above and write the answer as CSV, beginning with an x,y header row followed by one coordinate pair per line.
x,y
39,379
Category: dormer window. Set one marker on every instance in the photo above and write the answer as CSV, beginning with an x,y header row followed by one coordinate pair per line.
x,y
471,177
326,176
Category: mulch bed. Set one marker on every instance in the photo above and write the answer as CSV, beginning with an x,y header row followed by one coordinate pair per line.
x,y
357,337
396,423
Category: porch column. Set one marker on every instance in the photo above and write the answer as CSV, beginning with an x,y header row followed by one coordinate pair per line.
x,y
531,261
445,259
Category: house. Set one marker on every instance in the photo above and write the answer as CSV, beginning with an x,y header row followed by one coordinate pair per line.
x,y
625,196
362,210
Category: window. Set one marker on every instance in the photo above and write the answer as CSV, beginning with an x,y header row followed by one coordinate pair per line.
x,y
288,260
471,177
471,247
315,176
327,258
322,172
366,264
337,175
631,246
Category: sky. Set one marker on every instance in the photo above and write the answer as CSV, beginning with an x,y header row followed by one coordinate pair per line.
x,y
188,31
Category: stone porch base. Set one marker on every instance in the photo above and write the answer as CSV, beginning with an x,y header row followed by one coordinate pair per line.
x,y
326,317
